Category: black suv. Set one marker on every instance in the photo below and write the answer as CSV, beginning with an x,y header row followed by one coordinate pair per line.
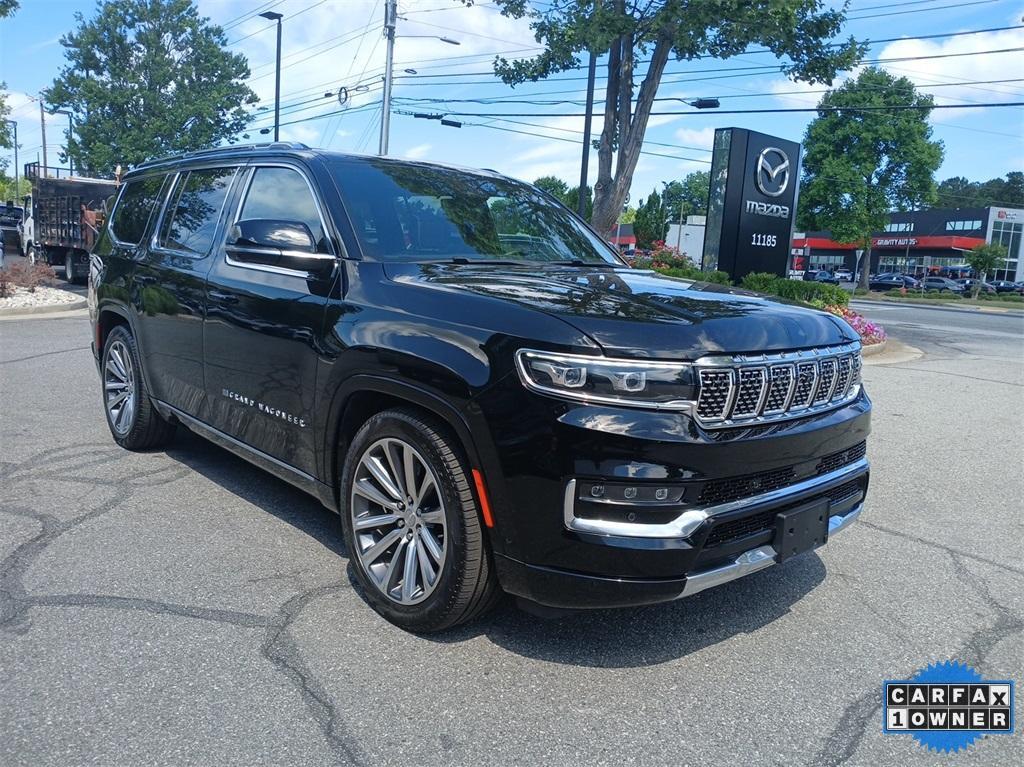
x,y
472,378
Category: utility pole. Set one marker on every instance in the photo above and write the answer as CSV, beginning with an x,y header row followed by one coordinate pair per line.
x,y
581,202
390,16
42,126
14,124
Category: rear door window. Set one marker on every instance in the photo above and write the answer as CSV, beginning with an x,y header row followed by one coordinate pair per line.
x,y
131,218
190,223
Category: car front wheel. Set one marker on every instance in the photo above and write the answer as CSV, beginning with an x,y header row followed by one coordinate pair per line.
x,y
412,526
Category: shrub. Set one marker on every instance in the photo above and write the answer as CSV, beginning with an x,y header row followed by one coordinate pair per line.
x,y
31,276
760,282
817,294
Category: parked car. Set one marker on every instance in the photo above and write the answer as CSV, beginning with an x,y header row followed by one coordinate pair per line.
x,y
892,281
820,275
968,285
1006,286
534,417
942,283
844,275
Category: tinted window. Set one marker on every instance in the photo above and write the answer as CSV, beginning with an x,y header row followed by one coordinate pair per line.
x,y
134,209
414,213
196,201
282,194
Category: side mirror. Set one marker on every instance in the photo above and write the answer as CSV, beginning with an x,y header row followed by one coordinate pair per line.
x,y
273,242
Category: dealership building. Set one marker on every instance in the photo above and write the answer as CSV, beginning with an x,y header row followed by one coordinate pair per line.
x,y
933,240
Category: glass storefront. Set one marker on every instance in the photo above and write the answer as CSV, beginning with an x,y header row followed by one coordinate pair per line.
x,y
1008,234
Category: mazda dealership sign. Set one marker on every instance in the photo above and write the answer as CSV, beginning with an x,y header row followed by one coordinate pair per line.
x,y
754,179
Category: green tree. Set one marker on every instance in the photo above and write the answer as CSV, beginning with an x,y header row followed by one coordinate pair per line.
x,y
146,78
628,216
864,160
800,32
7,8
688,197
651,222
958,192
553,186
984,259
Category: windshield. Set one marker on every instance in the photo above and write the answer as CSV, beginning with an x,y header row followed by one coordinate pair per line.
x,y
410,212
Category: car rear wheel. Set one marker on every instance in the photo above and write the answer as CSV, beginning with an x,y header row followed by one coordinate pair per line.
x,y
134,422
412,526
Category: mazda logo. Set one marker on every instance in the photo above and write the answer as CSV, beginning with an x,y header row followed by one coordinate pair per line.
x,y
772,174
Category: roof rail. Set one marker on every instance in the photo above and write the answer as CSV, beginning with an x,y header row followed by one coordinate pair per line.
x,y
218,150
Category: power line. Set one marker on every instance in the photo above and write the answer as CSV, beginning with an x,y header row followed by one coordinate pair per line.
x,y
896,108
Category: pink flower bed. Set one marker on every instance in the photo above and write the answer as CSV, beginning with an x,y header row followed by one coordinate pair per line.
x,y
869,332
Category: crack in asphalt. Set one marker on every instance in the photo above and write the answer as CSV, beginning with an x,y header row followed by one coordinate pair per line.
x,y
942,547
278,647
43,354
848,734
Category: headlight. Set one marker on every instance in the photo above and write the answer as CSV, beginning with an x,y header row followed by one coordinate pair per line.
x,y
635,383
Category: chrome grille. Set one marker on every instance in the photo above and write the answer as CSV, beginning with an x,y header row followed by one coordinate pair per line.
x,y
752,386
716,393
783,377
742,390
826,380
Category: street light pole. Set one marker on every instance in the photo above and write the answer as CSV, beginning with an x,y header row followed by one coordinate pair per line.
x,y
42,128
390,13
273,16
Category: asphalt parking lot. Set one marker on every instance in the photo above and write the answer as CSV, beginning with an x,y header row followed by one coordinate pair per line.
x,y
182,607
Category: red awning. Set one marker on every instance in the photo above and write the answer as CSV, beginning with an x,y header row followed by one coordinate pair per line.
x,y
894,242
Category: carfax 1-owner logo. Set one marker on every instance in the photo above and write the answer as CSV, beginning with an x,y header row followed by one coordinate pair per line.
x,y
947,706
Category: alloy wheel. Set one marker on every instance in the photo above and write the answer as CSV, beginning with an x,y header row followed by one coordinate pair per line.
x,y
398,521
119,387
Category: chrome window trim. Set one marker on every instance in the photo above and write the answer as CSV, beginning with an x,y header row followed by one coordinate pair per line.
x,y
246,183
689,520
154,242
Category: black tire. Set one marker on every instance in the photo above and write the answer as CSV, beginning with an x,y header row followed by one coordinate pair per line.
x,y
466,586
30,254
142,428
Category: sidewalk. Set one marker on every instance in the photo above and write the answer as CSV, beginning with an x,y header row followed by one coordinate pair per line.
x,y
932,304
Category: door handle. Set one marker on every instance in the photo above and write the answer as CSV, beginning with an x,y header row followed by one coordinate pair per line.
x,y
227,298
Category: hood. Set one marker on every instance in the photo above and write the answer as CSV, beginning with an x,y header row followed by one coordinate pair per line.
x,y
640,313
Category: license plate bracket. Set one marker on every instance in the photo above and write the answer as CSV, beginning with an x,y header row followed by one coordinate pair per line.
x,y
801,529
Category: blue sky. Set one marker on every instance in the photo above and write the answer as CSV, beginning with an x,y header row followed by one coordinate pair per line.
x,y
328,43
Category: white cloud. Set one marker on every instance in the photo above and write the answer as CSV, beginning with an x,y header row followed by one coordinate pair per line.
x,y
418,152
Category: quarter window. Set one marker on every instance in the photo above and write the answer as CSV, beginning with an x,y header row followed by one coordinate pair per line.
x,y
282,194
134,208
196,201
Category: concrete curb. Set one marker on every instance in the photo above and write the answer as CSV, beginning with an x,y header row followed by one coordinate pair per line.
x,y
948,307
895,352
872,349
28,311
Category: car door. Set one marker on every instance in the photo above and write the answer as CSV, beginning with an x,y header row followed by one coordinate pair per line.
x,y
170,286
265,316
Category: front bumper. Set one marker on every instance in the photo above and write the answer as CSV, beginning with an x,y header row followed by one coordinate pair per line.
x,y
677,509
712,565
